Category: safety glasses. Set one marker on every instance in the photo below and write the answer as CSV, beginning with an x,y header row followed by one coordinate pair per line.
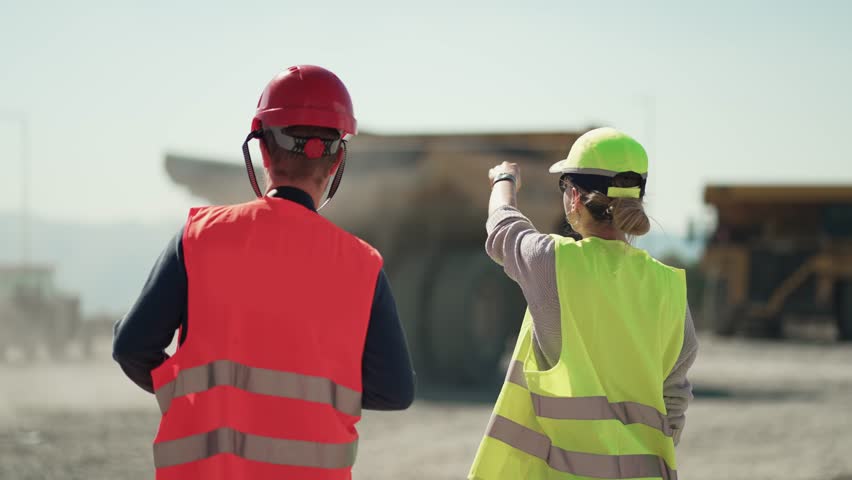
x,y
564,183
312,147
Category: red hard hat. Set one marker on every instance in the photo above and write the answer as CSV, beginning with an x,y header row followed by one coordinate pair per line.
x,y
306,95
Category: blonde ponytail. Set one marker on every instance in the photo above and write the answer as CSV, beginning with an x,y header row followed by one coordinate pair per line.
x,y
628,216
625,214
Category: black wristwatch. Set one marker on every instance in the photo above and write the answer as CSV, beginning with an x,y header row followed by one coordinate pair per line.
x,y
504,176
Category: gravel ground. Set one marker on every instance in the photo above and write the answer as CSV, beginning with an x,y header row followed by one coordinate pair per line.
x,y
764,411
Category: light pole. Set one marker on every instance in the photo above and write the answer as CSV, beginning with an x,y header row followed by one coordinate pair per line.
x,y
649,108
23,127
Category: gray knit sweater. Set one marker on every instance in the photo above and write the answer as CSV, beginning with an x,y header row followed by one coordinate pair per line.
x,y
528,257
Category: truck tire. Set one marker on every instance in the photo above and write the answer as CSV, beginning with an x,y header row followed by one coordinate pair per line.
x,y
474,312
716,309
843,311
765,328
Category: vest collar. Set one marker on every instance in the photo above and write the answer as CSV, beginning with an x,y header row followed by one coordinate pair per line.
x,y
294,194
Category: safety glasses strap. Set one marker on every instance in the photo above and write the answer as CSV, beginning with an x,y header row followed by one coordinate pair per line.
x,y
335,183
249,166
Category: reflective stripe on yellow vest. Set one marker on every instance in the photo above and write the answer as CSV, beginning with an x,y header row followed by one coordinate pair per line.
x,y
599,412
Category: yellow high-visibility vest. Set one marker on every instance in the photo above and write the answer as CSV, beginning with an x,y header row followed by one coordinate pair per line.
x,y
599,412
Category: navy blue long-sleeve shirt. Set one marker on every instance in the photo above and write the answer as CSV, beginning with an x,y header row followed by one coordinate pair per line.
x,y
142,336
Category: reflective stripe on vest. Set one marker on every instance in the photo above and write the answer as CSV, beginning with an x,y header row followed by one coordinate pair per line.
x,y
576,463
254,447
262,381
590,408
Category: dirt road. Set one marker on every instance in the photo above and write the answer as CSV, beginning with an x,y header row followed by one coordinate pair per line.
x,y
764,411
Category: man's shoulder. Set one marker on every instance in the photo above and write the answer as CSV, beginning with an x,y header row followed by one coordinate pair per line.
x,y
215,210
353,240
207,216
367,248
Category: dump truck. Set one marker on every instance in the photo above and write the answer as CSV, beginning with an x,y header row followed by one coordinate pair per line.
x,y
778,253
422,200
35,315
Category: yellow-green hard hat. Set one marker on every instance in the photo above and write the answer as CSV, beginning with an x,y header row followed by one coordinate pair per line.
x,y
604,151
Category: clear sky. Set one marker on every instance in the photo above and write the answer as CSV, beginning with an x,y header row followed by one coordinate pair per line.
x,y
745,91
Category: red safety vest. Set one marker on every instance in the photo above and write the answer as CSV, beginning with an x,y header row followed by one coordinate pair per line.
x,y
267,384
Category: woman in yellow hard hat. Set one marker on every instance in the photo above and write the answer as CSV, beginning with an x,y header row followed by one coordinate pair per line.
x,y
597,385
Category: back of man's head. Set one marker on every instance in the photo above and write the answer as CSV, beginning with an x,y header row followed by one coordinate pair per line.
x,y
286,167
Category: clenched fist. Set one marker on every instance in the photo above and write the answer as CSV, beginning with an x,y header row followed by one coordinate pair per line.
x,y
506,167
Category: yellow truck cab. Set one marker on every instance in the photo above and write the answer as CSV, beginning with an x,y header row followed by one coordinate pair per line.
x,y
778,252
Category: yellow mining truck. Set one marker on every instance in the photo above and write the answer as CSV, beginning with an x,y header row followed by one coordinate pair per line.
x,y
778,252
34,314
422,200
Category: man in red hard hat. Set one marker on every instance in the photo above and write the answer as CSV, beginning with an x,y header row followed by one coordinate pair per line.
x,y
287,325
